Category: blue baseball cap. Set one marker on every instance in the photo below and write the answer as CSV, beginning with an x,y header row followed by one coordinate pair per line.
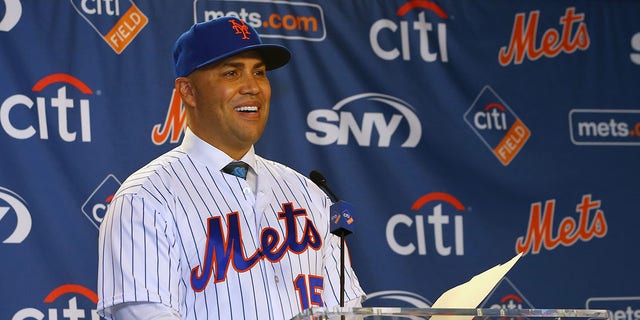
x,y
217,39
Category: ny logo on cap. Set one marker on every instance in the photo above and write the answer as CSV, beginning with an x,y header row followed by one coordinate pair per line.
x,y
241,29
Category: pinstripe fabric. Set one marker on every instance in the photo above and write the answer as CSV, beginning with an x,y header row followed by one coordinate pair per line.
x,y
154,239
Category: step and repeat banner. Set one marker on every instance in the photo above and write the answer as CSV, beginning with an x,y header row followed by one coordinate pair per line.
x,y
462,132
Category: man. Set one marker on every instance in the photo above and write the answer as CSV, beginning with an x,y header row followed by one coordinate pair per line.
x,y
187,237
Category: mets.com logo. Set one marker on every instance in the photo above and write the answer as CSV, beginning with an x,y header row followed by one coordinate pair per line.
x,y
394,122
620,308
272,19
497,125
604,127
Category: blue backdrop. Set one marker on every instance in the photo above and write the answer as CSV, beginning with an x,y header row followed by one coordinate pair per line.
x,y
462,131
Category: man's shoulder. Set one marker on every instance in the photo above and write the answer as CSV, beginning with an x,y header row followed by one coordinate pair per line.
x,y
281,171
153,175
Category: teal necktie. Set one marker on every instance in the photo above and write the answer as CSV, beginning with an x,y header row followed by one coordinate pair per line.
x,y
237,168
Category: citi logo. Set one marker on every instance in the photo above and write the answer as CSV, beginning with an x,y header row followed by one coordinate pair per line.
x,y
509,302
72,115
428,39
506,296
11,202
357,116
99,7
12,14
406,234
70,307
492,117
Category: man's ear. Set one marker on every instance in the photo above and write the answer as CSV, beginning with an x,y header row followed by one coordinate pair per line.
x,y
185,89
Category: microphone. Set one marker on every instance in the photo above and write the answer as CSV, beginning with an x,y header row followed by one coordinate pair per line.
x,y
321,181
341,223
341,211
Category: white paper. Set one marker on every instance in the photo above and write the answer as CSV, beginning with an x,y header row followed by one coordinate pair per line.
x,y
469,295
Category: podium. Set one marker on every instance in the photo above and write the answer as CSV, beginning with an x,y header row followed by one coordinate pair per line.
x,y
451,314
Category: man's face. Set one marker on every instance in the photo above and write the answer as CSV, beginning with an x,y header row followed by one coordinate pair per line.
x,y
228,104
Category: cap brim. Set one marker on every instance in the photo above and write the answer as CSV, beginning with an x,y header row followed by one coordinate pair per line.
x,y
274,56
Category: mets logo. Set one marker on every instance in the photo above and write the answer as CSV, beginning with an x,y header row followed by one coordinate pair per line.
x,y
174,123
241,28
497,125
226,248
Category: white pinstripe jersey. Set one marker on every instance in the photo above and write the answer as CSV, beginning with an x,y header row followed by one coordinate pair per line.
x,y
182,233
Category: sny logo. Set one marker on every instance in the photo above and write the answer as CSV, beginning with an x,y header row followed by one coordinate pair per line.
x,y
12,14
17,205
332,126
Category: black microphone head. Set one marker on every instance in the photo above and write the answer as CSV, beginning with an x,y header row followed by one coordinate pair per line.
x,y
318,178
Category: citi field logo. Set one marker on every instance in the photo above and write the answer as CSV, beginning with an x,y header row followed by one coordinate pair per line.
x,y
497,125
590,223
406,234
364,117
174,123
70,116
14,213
571,36
117,22
12,14
604,127
411,33
95,207
271,19
506,296
69,301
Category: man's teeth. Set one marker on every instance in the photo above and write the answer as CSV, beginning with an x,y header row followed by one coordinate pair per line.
x,y
247,109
